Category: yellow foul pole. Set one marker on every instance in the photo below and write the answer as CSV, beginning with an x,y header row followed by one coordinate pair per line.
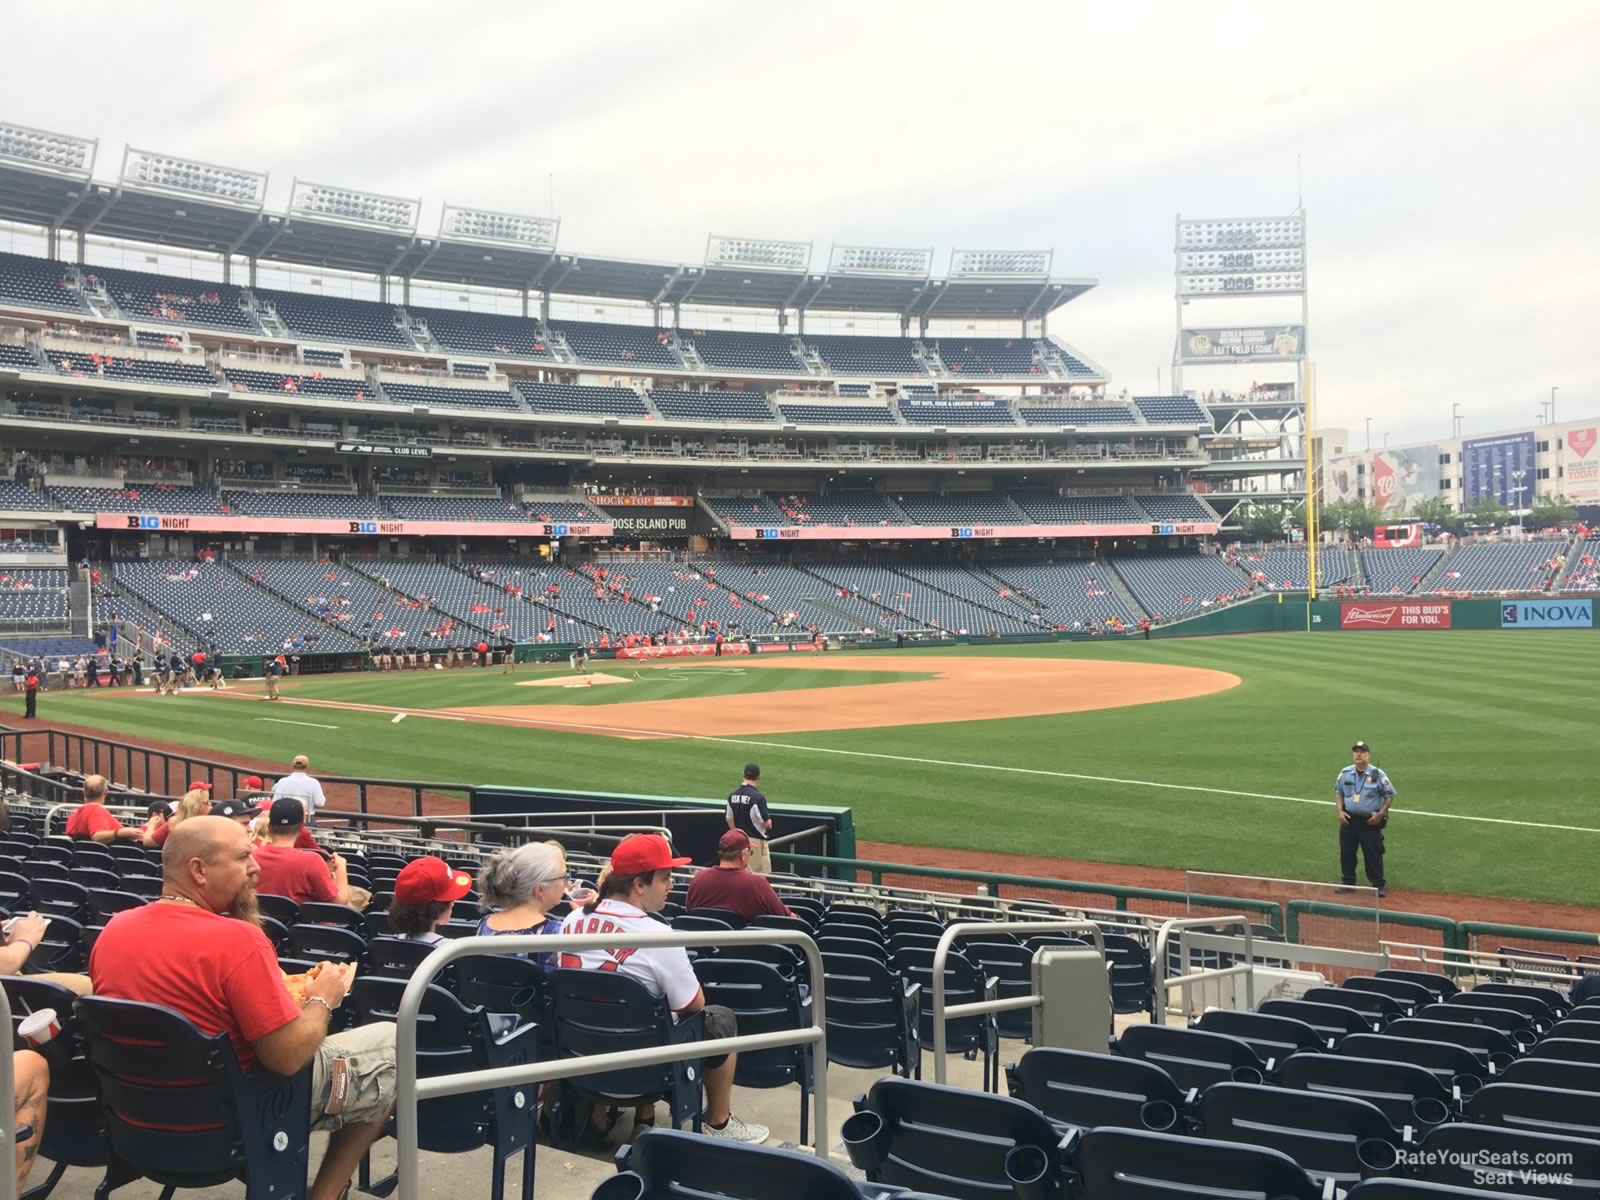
x,y
1312,530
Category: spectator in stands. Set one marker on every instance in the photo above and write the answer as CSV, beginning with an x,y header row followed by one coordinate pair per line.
x,y
30,1076
517,888
196,802
302,787
639,881
93,820
301,875
425,893
160,812
199,950
731,884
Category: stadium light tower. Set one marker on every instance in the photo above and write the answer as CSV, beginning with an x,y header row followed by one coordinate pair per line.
x,y
1553,390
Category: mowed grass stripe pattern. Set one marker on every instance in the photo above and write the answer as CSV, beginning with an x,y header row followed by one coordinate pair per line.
x,y
1482,723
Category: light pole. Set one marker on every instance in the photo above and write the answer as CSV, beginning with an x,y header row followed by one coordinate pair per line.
x,y
1455,419
1553,390
1369,433
1386,440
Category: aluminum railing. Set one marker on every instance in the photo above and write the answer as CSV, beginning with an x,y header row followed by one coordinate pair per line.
x,y
1163,985
410,1090
941,955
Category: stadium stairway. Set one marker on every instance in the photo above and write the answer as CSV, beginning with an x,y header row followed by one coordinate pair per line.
x,y
126,604
1432,578
556,609
1000,609
1118,585
586,571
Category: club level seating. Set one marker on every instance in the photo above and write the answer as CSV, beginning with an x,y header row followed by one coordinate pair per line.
x,y
492,335
1393,571
322,358
110,366
331,319
836,414
215,604
154,340
865,389
1065,592
770,353
597,342
307,383
323,505
1175,506
1162,583
1075,365
1050,508
22,357
990,356
422,395
39,283
138,498
712,406
355,604
205,424
747,510
19,497
143,296
582,401
464,370
839,508
453,508
562,510
33,594
886,357
1073,415
963,508
957,412
1499,567
1170,410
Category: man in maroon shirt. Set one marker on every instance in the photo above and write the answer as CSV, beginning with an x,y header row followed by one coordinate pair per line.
x,y
731,884
93,820
300,875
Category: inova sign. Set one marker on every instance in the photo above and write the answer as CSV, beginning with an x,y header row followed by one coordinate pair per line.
x,y
1547,614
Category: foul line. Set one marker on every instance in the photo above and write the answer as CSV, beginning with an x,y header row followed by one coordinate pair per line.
x,y
307,724
663,734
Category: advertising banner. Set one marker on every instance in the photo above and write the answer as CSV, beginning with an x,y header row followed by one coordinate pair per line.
x,y
1400,478
658,523
1580,474
923,533
1341,480
1496,467
1406,614
218,523
689,650
1547,614
1252,343
1397,537
642,501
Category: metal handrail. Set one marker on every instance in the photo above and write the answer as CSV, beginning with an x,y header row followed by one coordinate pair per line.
x,y
1159,963
409,1090
941,954
8,1109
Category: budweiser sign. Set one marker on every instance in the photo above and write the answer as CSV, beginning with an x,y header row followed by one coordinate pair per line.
x,y
1400,615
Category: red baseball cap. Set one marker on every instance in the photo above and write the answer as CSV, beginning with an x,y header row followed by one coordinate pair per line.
x,y
640,853
252,783
199,785
430,880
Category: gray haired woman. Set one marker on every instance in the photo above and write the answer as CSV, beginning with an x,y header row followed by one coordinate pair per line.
x,y
518,887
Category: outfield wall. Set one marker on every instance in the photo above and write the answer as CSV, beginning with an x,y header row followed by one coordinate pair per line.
x,y
1287,615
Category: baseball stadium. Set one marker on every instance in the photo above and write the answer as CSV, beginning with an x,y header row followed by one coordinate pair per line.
x,y
1071,713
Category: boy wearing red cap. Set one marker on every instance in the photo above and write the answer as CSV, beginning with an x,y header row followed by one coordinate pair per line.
x,y
638,884
425,892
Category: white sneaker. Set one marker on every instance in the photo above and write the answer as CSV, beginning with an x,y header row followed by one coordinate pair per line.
x,y
738,1131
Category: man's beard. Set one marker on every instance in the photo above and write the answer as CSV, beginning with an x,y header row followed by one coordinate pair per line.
x,y
246,907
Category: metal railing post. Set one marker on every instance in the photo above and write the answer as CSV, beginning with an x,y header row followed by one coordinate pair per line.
x,y
410,1090
941,955
1186,978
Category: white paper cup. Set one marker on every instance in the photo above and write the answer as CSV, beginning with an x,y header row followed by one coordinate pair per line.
x,y
39,1027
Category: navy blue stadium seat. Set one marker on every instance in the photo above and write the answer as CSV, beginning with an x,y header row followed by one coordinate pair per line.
x,y
1405,1093
1329,1020
1269,1036
951,1141
1440,985
74,1133
1456,1154
1331,1137
1076,1088
762,1001
253,1128
1194,1059
1127,1164
871,1013
667,1164
1537,1109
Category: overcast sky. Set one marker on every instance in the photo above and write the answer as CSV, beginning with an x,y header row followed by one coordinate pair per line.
x,y
1451,163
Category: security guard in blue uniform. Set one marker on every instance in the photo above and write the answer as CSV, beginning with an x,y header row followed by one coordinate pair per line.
x,y
1362,793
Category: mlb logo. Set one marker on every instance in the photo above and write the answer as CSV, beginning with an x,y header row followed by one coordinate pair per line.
x,y
1508,614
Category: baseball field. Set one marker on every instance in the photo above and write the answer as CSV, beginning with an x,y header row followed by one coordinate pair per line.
x,y
1214,754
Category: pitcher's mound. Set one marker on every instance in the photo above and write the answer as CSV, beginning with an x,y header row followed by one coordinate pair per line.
x,y
578,681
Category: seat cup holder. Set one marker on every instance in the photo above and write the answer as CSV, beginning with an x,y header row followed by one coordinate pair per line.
x,y
1028,1170
1376,1155
1469,1085
866,1139
1158,1116
624,1186
1430,1111
1245,1075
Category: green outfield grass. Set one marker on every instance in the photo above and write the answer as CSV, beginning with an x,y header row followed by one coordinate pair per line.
x,y
1491,725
